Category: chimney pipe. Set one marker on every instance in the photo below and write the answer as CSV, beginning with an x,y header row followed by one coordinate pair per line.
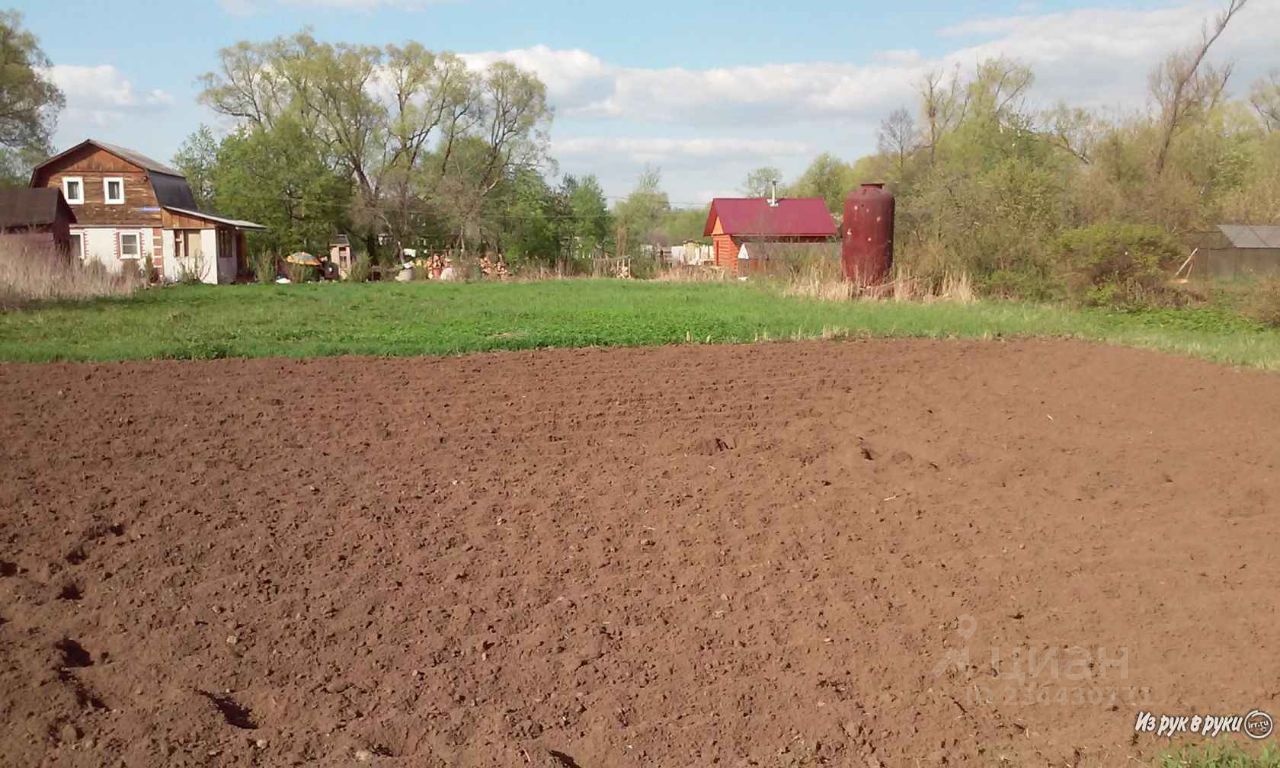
x,y
773,193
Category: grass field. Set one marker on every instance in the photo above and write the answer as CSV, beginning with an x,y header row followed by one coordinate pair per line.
x,y
194,322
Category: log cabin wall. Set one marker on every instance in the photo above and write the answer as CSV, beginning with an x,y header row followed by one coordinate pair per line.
x,y
94,166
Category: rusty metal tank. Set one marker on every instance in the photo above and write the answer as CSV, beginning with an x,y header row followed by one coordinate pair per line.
x,y
867,251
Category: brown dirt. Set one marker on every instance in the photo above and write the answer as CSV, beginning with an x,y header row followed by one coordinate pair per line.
x,y
771,555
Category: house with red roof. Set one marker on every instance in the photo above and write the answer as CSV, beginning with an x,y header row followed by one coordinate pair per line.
x,y
737,222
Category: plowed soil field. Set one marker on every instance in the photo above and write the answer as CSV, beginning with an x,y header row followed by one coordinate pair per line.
x,y
871,553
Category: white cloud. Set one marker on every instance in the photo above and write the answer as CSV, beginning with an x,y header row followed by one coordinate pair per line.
x,y
1094,56
102,96
746,116
660,150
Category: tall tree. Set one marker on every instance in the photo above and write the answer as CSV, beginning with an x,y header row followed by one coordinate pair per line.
x,y
639,215
1265,98
278,177
1185,86
898,137
589,212
762,181
399,120
29,101
943,104
197,158
827,177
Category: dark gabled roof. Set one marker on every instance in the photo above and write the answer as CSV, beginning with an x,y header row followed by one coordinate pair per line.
x,y
24,207
339,239
1250,236
137,158
754,216
172,191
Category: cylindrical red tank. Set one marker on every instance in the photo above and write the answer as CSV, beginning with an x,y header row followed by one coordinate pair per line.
x,y
867,252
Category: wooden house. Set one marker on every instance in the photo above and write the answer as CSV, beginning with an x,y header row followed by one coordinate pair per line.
x,y
758,222
132,210
37,219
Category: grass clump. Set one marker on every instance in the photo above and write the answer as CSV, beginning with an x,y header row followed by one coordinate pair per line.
x,y
1264,304
1229,756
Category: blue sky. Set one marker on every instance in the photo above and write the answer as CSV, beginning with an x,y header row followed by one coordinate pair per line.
x,y
705,91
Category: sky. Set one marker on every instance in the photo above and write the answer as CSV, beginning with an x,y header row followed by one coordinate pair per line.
x,y
704,91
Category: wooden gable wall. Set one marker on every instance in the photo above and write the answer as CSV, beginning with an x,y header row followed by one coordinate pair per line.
x,y
94,165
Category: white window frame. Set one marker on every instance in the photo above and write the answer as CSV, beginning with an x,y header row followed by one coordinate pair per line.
x,y
106,190
77,237
120,238
79,180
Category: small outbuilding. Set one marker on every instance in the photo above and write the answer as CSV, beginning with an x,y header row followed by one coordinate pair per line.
x,y
340,254
37,218
1237,250
760,222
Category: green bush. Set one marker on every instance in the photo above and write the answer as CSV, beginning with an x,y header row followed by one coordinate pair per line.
x,y
1264,304
644,267
1119,265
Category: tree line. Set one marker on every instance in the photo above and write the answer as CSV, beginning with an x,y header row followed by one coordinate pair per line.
x,y
993,187
404,147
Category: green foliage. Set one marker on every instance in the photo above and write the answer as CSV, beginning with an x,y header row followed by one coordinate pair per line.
x,y
277,177
682,225
761,181
1118,264
421,165
197,158
29,100
533,221
827,177
640,215
591,229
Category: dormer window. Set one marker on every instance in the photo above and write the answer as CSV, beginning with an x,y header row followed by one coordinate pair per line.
x,y
113,190
73,189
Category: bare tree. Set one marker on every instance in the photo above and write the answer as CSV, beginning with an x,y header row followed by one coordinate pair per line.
x,y
1265,98
943,103
1185,86
1074,130
898,137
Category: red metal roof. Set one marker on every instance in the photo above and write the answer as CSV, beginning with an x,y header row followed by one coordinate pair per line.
x,y
753,216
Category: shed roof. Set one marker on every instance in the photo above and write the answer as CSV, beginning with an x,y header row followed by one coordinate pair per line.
x,y
216,219
1250,236
790,217
24,207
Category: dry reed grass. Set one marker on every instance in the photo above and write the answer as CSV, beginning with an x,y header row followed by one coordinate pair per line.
x,y
904,287
692,274
31,273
